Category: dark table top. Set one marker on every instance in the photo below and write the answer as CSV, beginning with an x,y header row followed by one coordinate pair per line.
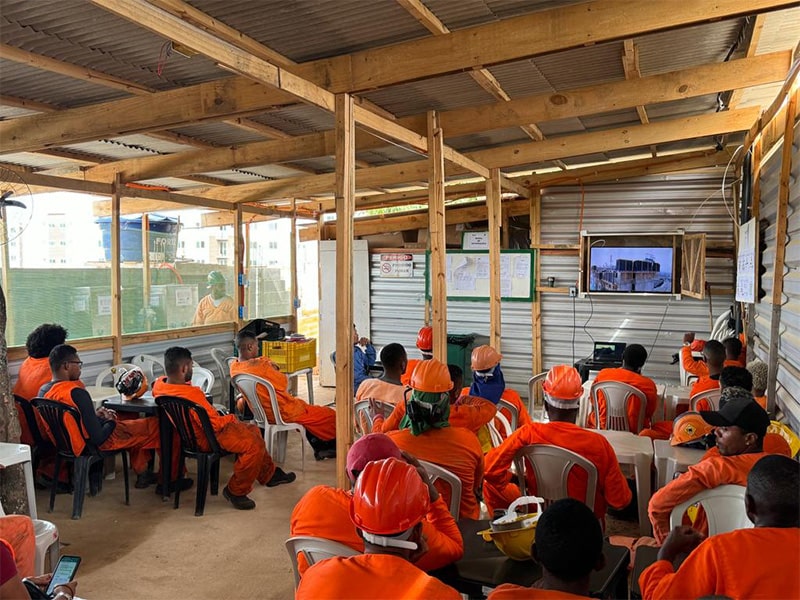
x,y
146,404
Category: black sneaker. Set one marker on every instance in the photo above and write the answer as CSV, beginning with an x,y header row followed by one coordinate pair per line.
x,y
280,476
239,502
144,480
182,484
326,453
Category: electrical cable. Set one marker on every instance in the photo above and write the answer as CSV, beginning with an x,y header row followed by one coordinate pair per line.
x,y
658,331
573,330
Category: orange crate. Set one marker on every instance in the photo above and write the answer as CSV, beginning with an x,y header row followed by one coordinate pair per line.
x,y
291,356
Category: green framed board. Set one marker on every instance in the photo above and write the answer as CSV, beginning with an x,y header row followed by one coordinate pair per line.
x,y
468,275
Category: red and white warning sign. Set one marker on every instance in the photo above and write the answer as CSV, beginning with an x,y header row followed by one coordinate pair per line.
x,y
397,265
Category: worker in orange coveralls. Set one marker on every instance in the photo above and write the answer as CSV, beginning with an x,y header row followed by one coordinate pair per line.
x,y
389,504
324,511
562,392
388,387
568,546
760,372
425,431
732,348
425,346
217,306
253,462
319,421
746,563
741,425
633,360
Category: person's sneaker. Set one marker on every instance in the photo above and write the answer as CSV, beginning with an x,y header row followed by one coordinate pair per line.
x,y
182,484
145,479
239,502
323,454
280,476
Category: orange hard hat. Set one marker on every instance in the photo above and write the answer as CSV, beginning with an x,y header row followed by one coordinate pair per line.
x,y
484,358
431,376
425,339
389,498
689,427
563,383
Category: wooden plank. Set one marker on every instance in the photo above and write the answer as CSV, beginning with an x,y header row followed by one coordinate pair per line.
x,y
536,305
465,162
345,205
116,275
437,238
752,47
239,266
755,206
146,268
293,288
494,212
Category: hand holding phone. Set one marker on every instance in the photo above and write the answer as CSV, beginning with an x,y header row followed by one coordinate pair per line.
x,y
64,572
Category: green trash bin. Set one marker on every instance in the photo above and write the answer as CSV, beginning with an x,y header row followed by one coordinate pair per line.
x,y
459,351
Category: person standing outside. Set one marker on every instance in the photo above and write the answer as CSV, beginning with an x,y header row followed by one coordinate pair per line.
x,y
217,306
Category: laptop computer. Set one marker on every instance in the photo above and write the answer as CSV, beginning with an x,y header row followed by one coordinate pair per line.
x,y
608,352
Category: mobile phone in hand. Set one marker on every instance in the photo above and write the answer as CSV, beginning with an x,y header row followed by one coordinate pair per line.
x,y
64,572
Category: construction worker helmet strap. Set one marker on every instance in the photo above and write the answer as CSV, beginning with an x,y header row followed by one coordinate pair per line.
x,y
397,541
689,428
389,498
132,383
563,383
484,358
425,339
431,376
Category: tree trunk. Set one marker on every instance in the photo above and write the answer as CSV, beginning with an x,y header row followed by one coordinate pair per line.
x,y
12,481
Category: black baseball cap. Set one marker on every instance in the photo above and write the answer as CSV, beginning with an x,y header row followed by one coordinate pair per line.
x,y
741,412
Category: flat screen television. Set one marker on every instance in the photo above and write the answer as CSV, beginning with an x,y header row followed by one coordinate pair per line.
x,y
631,269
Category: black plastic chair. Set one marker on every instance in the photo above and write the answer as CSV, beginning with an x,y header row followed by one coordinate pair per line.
x,y
183,414
40,443
54,414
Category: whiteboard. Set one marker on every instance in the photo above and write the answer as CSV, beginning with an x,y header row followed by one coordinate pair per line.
x,y
468,275
746,262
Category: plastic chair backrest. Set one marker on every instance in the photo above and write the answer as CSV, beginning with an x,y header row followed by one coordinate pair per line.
x,y
147,362
363,416
314,550
513,410
114,371
533,382
724,508
451,479
203,378
617,395
183,414
495,425
30,417
53,413
248,386
220,359
710,396
551,468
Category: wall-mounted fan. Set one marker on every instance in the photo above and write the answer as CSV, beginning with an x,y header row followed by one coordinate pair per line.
x,y
16,205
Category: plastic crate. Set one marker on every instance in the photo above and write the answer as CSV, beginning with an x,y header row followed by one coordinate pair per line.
x,y
291,356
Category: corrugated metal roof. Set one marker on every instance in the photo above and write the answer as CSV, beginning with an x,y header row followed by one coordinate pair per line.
x,y
497,137
219,133
37,161
458,14
297,119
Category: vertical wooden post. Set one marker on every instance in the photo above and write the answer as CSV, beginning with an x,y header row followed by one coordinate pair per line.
x,y
294,293
756,184
782,221
494,210
116,273
344,135
6,276
437,239
146,272
238,267
506,230
536,305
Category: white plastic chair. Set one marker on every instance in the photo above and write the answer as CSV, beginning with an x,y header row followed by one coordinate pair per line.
x,y
248,386
314,549
203,378
724,508
147,363
533,382
686,377
220,357
551,468
495,425
513,410
451,479
616,395
309,373
46,543
114,371
363,415
710,396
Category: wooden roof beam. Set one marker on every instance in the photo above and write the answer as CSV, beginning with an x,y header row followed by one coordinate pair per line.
x,y
630,64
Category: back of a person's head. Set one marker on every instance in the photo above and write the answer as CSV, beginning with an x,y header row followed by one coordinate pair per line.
x,y
733,347
367,449
760,371
736,377
714,352
393,355
174,358
774,486
44,338
245,336
634,356
569,540
59,355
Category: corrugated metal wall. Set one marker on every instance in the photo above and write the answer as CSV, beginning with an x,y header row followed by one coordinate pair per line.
x,y
788,344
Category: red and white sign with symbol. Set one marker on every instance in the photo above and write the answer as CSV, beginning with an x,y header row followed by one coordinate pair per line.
x,y
397,265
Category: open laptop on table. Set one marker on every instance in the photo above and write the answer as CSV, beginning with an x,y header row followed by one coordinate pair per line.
x,y
608,352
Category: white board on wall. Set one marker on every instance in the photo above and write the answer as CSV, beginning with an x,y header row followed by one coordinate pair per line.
x,y
746,267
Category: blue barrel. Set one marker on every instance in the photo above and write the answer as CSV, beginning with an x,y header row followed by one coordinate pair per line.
x,y
163,237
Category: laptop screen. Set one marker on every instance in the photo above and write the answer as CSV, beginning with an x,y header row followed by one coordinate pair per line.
x,y
608,351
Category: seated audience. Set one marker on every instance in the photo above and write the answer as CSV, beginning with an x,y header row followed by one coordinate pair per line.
x,y
425,346
568,546
746,563
562,392
488,382
325,511
689,430
253,462
12,586
733,352
363,359
731,349
714,353
759,370
389,503
735,377
388,387
319,421
633,359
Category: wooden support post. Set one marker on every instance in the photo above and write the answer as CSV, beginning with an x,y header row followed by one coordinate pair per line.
x,y
6,276
505,238
494,210
239,266
436,230
345,205
782,222
536,305
148,325
294,293
116,274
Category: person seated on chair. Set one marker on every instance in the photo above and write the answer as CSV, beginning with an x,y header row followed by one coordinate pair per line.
x,y
714,353
12,586
735,377
568,546
759,371
425,346
488,382
389,504
388,387
253,462
633,359
740,429
733,352
426,432
562,393
760,562
140,437
319,421
324,511
363,358
217,306
731,347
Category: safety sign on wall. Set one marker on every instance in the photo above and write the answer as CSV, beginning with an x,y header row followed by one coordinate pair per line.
x,y
397,265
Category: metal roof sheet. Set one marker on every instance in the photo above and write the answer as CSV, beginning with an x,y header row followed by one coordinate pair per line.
x,y
297,119
219,133
458,14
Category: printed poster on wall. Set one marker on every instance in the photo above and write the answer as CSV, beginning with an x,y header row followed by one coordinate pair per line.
x,y
746,262
397,265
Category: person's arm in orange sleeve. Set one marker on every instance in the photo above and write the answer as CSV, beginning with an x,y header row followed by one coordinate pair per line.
x,y
497,461
615,486
696,577
381,425
477,412
651,393
445,544
676,491
691,365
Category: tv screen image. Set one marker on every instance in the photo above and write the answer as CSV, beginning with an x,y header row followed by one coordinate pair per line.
x,y
630,270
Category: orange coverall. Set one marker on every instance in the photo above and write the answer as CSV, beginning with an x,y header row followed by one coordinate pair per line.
x,y
381,390
699,367
412,363
509,591
319,420
612,488
761,400
746,563
511,396
370,576
253,462
18,531
208,314
640,382
325,512
33,374
457,450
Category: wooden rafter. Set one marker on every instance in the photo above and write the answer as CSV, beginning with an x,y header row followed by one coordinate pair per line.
x,y
630,64
752,47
